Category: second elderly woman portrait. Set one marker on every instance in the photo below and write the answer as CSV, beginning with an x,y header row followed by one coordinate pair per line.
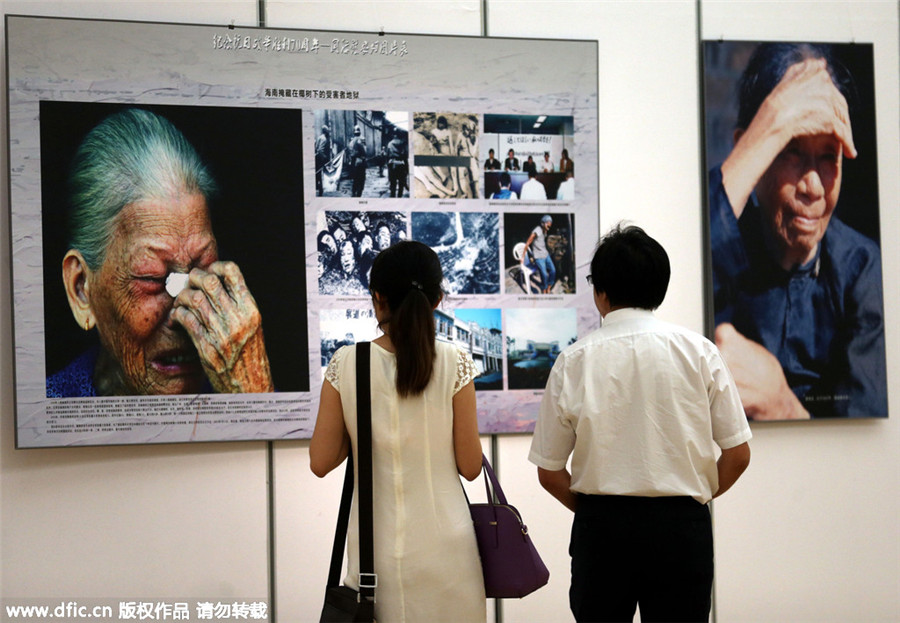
x,y
796,258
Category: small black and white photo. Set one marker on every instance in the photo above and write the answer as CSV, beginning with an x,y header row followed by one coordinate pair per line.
x,y
445,156
344,327
347,243
362,153
467,244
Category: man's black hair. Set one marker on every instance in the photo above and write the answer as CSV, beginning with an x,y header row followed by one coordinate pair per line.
x,y
631,268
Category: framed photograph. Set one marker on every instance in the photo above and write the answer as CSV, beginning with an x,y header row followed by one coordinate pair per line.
x,y
794,230
445,155
540,255
539,144
361,153
534,338
468,245
348,243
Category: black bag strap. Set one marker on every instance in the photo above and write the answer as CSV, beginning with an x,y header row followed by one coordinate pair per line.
x,y
340,531
367,578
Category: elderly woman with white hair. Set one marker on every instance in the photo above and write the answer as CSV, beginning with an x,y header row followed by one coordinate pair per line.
x,y
143,270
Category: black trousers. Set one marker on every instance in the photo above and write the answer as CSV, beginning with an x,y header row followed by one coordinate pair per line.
x,y
652,553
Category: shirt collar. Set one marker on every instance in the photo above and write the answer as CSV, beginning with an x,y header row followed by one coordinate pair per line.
x,y
626,313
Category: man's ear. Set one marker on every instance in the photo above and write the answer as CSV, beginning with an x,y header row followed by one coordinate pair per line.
x,y
601,302
75,274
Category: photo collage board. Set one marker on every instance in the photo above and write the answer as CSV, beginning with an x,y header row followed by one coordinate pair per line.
x,y
195,211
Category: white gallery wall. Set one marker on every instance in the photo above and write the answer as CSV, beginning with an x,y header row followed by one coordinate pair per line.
x,y
820,504
810,533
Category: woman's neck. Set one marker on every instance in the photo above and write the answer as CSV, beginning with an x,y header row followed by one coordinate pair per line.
x,y
385,342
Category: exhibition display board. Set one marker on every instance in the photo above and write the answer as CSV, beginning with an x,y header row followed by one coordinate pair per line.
x,y
194,211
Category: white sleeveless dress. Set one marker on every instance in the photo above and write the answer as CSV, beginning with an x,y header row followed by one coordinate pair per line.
x,y
426,557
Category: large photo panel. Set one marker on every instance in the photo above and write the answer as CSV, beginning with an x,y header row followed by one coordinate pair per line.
x,y
192,229
794,231
252,209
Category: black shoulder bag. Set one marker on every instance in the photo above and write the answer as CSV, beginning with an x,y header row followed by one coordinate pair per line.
x,y
342,603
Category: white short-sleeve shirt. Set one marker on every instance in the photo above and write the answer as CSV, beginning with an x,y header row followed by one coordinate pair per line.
x,y
643,406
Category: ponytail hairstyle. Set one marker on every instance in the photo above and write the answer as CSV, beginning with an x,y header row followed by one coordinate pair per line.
x,y
408,276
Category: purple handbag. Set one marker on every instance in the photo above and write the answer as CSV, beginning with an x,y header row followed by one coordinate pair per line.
x,y
511,564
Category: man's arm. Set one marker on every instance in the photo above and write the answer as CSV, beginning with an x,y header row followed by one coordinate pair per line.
x,y
731,465
557,484
554,437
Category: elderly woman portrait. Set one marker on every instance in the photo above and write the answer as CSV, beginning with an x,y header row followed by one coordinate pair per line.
x,y
797,290
143,272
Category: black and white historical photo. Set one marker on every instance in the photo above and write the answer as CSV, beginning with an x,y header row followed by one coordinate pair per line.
x,y
539,256
467,244
445,156
534,338
361,153
347,244
344,327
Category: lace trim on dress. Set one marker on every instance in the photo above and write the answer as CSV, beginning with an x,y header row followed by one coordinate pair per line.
x,y
465,370
331,372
